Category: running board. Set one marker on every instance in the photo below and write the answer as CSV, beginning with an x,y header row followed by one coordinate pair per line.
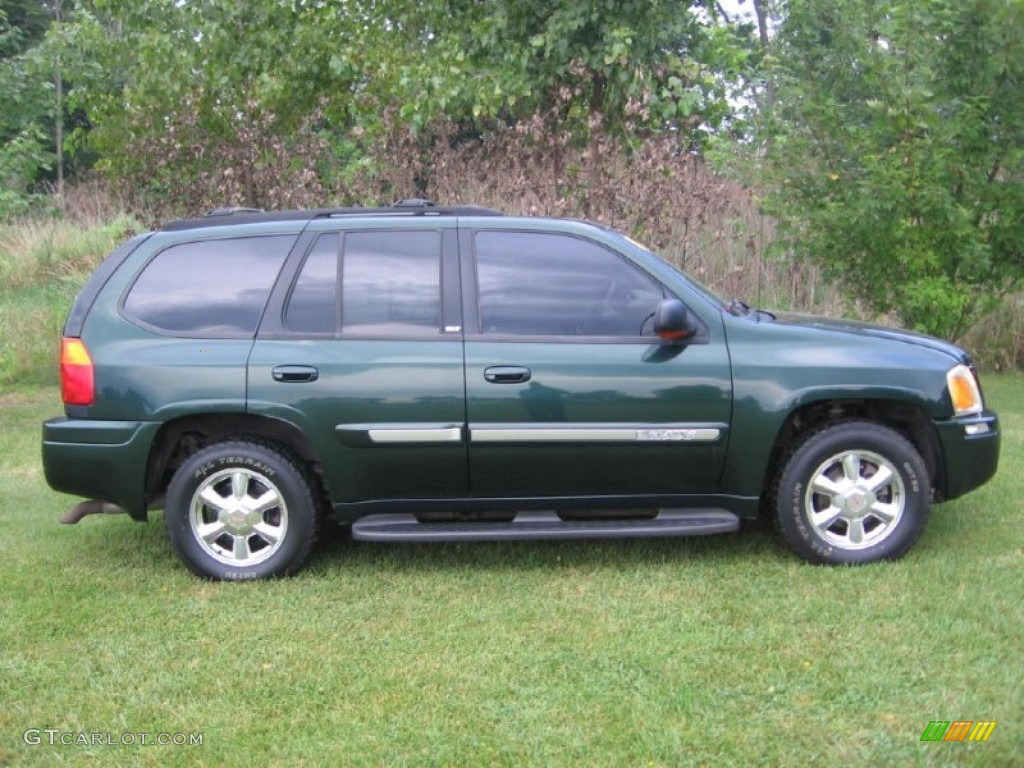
x,y
547,525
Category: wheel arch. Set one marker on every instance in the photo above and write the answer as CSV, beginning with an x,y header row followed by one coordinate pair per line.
x,y
907,418
179,438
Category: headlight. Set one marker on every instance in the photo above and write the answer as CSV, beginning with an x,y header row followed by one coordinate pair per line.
x,y
964,391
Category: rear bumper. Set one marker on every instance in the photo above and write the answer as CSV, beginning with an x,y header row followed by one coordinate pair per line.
x,y
970,448
103,460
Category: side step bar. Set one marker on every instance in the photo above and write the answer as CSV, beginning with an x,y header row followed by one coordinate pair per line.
x,y
546,525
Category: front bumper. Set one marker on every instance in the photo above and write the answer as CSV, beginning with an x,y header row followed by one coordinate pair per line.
x,y
970,449
103,460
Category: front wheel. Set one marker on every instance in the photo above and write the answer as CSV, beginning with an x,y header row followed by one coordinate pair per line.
x,y
854,492
241,510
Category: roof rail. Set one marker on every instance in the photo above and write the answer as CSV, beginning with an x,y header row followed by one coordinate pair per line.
x,y
414,202
231,210
411,207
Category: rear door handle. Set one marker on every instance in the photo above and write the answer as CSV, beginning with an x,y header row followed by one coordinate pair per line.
x,y
507,374
295,373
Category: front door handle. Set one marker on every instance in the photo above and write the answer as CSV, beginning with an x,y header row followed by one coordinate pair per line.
x,y
507,374
295,373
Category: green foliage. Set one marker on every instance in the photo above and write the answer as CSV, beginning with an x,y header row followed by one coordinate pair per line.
x,y
22,138
888,139
211,103
896,152
21,159
647,62
186,82
22,24
42,60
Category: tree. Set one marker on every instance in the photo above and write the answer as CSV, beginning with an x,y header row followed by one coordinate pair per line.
x,y
658,59
201,91
896,151
209,103
40,44
22,24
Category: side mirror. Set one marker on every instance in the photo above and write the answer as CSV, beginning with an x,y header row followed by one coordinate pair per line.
x,y
672,321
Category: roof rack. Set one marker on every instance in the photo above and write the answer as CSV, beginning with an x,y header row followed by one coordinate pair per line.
x,y
232,210
411,207
414,202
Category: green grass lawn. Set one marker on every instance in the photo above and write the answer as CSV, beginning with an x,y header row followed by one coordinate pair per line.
x,y
708,652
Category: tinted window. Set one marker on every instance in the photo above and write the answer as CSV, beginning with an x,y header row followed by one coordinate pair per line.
x,y
313,304
391,283
209,288
538,284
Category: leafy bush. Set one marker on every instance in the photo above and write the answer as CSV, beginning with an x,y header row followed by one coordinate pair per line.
x,y
21,160
894,153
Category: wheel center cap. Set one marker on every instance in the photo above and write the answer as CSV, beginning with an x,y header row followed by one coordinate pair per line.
x,y
237,520
857,502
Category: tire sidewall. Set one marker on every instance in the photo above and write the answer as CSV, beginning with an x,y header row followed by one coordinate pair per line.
x,y
294,490
820,446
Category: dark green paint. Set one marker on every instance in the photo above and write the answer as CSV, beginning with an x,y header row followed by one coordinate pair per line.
x,y
744,376
369,382
630,383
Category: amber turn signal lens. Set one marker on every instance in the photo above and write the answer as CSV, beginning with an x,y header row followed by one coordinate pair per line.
x,y
964,391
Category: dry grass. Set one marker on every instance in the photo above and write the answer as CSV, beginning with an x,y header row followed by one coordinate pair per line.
x,y
705,224
43,263
998,340
34,251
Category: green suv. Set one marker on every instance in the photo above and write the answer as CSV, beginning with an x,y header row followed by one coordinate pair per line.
x,y
450,374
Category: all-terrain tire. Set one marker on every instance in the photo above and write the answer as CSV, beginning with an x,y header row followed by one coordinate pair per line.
x,y
240,510
853,492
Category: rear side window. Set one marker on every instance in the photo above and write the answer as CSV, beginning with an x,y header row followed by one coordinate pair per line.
x,y
313,305
208,288
391,284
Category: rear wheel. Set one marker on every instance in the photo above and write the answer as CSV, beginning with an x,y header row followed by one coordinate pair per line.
x,y
241,510
854,492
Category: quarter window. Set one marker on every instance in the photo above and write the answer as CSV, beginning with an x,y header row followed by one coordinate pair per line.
x,y
540,284
214,288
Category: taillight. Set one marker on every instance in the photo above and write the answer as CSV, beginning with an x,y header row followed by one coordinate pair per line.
x,y
77,386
